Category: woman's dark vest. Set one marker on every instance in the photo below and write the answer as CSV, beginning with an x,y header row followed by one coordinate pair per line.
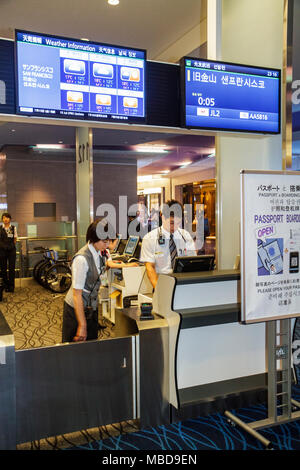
x,y
7,238
92,282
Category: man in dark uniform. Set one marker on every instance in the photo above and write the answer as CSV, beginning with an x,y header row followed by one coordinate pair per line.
x,y
8,238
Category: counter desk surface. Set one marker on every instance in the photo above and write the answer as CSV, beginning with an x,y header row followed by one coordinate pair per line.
x,y
4,327
133,314
200,298
192,317
206,276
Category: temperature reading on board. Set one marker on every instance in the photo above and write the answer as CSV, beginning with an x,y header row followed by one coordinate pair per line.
x,y
78,79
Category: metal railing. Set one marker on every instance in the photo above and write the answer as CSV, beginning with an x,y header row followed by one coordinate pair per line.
x,y
24,253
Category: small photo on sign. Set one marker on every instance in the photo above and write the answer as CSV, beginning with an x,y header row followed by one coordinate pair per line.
x,y
270,257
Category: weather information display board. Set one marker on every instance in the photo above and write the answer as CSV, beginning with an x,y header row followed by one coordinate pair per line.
x,y
270,245
60,77
224,96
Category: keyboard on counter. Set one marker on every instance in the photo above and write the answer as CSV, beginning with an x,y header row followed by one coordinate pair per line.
x,y
126,259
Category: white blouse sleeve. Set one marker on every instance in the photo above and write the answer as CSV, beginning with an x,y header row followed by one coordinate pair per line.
x,y
79,271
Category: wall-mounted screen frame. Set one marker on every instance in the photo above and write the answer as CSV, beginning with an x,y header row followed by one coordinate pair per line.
x,y
224,96
67,78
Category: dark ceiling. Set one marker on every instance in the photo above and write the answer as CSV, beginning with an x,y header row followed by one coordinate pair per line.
x,y
177,151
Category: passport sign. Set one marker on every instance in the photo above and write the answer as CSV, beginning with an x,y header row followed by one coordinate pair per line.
x,y
270,245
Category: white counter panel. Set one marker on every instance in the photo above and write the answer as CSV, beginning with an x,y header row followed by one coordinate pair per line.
x,y
205,294
219,352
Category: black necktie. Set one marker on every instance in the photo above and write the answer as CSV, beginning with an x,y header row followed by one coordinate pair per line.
x,y
173,250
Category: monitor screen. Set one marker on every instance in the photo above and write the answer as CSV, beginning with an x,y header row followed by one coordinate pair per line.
x,y
76,79
122,245
116,245
231,97
131,245
189,264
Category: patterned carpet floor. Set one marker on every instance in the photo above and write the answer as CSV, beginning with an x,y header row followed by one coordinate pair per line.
x,y
34,315
208,433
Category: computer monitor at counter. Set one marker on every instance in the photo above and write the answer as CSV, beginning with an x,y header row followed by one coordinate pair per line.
x,y
131,245
128,247
189,264
121,246
116,245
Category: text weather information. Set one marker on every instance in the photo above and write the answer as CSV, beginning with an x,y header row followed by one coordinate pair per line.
x,y
231,97
60,77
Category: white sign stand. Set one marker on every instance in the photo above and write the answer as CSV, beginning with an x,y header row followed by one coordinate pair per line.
x,y
279,186
279,384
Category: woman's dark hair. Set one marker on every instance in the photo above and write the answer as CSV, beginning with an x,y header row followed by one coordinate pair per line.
x,y
6,214
100,230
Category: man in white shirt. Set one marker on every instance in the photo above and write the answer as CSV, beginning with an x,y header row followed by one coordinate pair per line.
x,y
162,245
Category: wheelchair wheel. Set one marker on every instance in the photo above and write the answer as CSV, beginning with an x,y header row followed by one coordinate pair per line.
x,y
36,268
58,278
41,272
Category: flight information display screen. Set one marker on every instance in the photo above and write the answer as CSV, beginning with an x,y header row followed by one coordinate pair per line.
x,y
70,78
232,97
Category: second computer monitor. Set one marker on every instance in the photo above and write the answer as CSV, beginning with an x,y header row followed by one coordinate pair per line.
x,y
131,245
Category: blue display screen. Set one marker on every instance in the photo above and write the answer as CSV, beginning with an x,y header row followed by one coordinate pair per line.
x,y
224,96
69,78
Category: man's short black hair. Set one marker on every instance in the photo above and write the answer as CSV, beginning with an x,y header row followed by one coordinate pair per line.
x,y
6,214
172,207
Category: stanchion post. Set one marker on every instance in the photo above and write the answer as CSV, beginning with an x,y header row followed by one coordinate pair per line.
x,y
272,370
285,329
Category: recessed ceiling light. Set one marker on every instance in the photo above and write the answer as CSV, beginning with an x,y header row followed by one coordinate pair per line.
x,y
151,149
184,164
48,146
113,2
143,178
